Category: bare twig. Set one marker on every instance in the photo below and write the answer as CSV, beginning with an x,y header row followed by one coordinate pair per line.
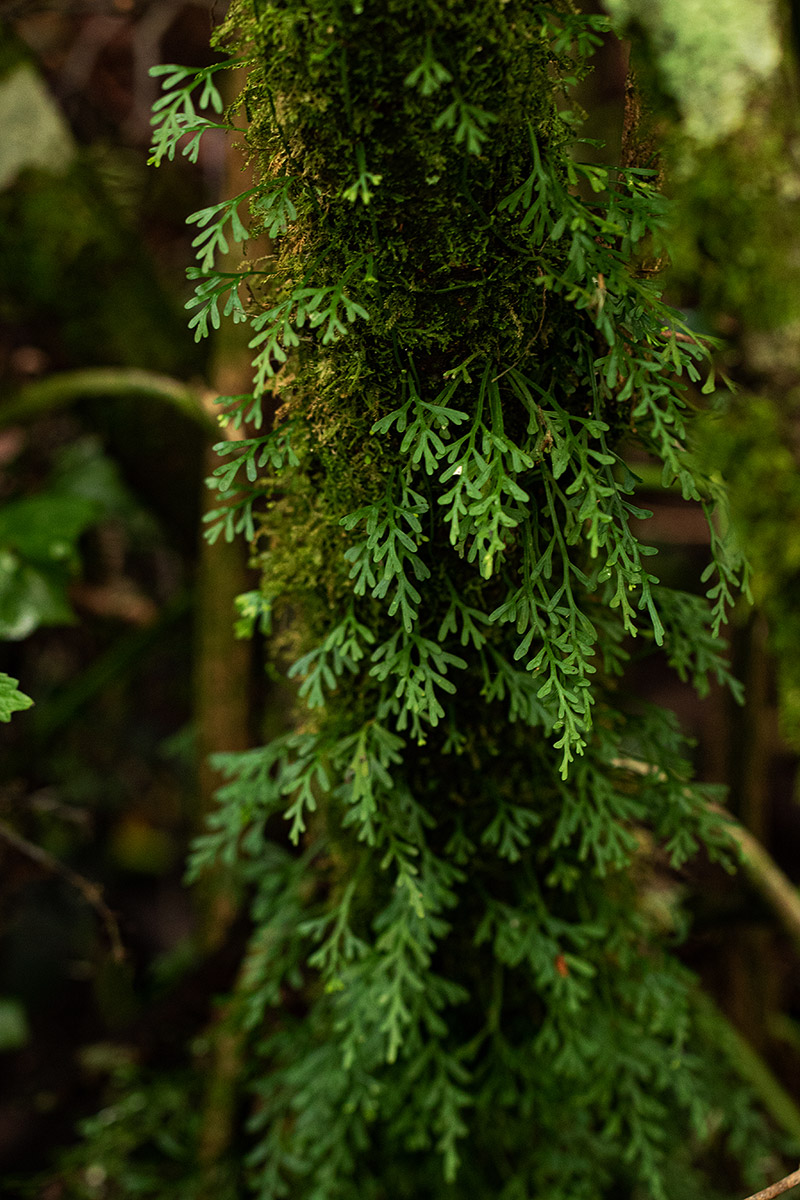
x,y
91,892
57,391
777,1189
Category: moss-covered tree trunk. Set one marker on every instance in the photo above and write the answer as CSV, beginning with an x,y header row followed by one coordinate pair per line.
x,y
456,984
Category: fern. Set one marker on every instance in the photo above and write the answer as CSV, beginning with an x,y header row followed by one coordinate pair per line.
x,y
175,114
451,981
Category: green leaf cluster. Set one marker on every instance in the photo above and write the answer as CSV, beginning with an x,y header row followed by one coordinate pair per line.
x,y
11,699
40,538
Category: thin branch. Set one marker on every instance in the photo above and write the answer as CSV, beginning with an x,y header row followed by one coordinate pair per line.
x,y
759,866
777,1189
765,875
51,392
747,1063
56,391
91,892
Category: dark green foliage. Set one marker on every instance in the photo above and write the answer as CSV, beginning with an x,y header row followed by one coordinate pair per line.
x,y
755,444
40,538
143,1143
62,250
454,985
76,282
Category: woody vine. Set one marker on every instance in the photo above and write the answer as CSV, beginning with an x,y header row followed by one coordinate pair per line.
x,y
451,983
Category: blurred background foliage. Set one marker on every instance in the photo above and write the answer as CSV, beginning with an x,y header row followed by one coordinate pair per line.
x,y
106,964
116,617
